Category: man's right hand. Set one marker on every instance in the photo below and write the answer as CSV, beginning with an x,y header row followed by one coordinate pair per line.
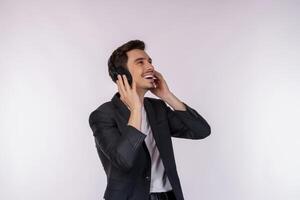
x,y
128,95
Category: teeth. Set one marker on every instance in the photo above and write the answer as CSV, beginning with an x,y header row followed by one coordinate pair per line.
x,y
149,76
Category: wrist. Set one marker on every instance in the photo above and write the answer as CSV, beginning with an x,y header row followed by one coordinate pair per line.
x,y
168,97
136,109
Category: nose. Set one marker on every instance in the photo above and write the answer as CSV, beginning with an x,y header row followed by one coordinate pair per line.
x,y
149,67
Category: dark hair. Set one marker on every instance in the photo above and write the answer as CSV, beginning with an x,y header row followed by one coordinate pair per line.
x,y
119,56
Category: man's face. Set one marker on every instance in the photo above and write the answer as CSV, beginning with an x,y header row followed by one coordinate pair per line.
x,y
139,65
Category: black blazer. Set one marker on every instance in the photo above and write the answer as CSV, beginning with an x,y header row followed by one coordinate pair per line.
x,y
124,154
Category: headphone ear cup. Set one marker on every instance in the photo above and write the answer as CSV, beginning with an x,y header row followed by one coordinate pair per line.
x,y
120,70
113,73
128,76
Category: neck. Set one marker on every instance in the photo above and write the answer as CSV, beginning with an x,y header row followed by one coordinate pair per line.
x,y
141,93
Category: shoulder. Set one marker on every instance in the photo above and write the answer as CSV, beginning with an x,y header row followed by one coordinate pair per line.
x,y
105,109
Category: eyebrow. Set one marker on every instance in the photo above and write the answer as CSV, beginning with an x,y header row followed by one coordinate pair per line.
x,y
142,58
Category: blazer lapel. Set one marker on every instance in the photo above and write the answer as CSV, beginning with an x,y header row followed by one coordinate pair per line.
x,y
121,107
152,120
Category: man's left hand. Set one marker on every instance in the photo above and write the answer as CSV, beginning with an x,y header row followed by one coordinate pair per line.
x,y
161,90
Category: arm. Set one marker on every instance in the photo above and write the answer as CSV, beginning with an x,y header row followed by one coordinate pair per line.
x,y
184,121
120,148
135,118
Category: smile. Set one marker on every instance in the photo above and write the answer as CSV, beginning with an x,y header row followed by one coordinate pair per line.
x,y
149,77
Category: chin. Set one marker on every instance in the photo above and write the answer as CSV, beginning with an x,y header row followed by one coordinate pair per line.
x,y
146,85
150,86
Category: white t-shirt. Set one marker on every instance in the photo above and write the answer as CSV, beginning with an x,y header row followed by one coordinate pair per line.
x,y
159,178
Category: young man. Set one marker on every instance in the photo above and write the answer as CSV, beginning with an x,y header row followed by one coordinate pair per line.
x,y
133,133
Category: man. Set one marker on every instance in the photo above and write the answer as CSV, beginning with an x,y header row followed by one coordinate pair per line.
x,y
133,133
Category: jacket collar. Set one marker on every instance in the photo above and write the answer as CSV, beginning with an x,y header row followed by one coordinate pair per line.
x,y
123,108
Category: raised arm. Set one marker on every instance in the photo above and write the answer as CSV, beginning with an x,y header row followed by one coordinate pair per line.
x,y
188,124
120,146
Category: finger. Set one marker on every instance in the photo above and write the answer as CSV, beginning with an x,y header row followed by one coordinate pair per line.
x,y
157,74
159,79
121,83
127,86
119,88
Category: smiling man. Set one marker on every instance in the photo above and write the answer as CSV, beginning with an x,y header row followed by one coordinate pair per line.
x,y
133,132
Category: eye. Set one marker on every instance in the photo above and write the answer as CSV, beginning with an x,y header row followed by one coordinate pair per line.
x,y
140,62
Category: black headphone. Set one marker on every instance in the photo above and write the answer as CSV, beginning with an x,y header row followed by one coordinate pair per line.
x,y
114,71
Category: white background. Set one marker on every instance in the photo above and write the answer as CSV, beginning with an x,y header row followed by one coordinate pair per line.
x,y
235,62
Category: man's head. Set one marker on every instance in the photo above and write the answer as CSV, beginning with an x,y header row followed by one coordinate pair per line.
x,y
132,56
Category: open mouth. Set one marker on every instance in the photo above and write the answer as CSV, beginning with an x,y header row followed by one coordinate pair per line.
x,y
150,77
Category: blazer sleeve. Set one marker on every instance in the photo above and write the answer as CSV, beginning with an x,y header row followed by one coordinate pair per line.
x,y
120,148
187,124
